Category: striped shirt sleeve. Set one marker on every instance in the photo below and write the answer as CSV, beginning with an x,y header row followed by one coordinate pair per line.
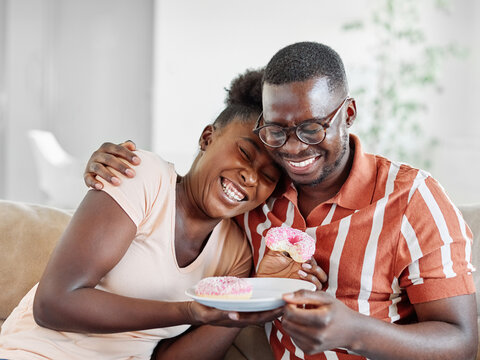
x,y
433,256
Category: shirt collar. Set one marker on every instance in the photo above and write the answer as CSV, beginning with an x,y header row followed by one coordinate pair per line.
x,y
357,191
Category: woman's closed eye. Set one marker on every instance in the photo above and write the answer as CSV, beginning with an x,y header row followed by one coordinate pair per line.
x,y
270,178
246,155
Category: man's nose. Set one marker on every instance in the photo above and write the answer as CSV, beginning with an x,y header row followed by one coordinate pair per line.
x,y
293,145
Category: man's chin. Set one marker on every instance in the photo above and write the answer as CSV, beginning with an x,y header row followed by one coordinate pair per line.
x,y
311,179
307,180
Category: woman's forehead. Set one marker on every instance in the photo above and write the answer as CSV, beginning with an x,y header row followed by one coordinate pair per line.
x,y
243,130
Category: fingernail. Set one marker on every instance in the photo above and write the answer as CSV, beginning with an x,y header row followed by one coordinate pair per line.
x,y
306,266
302,273
288,296
98,186
136,160
115,181
233,316
129,172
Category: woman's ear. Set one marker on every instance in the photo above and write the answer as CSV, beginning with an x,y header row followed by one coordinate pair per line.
x,y
206,137
351,112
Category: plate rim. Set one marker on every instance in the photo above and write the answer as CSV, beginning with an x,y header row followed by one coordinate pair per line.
x,y
190,292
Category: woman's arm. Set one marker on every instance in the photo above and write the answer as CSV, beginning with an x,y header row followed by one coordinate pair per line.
x,y
200,343
96,239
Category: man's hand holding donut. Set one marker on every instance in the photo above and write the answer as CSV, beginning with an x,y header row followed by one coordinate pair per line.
x,y
277,264
289,254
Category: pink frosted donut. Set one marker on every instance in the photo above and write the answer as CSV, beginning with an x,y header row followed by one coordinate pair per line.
x,y
298,244
224,287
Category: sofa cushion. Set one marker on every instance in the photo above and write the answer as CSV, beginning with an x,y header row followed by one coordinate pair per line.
x,y
471,214
28,234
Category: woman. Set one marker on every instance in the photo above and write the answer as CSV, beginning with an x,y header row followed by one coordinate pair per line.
x,y
114,286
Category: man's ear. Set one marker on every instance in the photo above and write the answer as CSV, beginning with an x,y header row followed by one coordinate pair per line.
x,y
351,112
206,137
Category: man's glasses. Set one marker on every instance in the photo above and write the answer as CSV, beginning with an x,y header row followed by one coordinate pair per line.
x,y
310,132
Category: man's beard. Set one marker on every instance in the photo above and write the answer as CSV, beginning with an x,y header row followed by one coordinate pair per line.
x,y
327,170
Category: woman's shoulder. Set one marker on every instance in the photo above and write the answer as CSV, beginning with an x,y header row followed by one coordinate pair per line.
x,y
233,250
231,234
151,162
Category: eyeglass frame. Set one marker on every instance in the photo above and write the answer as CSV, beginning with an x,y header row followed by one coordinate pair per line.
x,y
287,130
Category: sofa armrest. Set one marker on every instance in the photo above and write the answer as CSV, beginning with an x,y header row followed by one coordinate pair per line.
x,y
28,234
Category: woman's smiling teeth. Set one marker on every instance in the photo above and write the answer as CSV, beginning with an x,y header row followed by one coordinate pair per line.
x,y
231,190
302,164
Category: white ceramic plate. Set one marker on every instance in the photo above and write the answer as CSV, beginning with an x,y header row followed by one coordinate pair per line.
x,y
267,295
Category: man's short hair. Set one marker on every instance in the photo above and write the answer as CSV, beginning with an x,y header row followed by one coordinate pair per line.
x,y
306,60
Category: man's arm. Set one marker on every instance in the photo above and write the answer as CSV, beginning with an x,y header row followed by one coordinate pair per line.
x,y
446,329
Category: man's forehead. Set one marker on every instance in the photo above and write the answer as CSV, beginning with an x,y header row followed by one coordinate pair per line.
x,y
313,94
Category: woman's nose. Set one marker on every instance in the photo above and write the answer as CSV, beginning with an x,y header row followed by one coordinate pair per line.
x,y
249,176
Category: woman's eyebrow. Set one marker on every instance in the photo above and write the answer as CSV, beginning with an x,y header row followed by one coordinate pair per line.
x,y
251,141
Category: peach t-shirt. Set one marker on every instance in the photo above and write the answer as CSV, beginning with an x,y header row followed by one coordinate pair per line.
x,y
148,270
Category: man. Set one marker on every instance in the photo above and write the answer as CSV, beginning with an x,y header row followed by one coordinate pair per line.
x,y
396,250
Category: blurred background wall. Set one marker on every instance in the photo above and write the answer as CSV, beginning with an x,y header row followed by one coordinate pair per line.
x,y
79,69
155,71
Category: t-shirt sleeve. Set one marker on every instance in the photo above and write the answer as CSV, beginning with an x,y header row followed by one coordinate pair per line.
x,y
137,195
434,250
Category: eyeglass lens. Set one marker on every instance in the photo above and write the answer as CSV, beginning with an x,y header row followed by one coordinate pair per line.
x,y
276,136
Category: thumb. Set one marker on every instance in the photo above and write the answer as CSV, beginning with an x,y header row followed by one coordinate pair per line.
x,y
306,297
233,316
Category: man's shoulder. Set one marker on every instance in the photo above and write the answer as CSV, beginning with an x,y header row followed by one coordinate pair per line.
x,y
405,175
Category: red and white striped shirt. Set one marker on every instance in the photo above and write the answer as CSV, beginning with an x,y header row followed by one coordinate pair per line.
x,y
389,239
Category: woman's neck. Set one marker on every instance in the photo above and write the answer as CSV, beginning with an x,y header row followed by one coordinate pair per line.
x,y
192,226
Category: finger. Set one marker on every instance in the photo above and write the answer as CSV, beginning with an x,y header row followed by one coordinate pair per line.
x,y
99,161
311,278
213,316
90,181
302,297
299,332
121,151
318,317
96,169
312,268
129,144
117,164
261,317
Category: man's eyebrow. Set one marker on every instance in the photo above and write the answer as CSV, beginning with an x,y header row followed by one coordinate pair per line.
x,y
314,119
251,141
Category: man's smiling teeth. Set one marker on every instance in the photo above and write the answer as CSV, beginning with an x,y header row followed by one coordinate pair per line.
x,y
302,163
231,190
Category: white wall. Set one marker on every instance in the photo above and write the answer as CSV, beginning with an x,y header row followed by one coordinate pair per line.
x,y
2,93
81,69
201,45
453,116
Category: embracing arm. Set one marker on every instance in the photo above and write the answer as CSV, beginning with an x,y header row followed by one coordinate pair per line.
x,y
96,239
446,329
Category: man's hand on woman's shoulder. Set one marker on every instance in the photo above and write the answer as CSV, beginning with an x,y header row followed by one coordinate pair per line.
x,y
110,155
